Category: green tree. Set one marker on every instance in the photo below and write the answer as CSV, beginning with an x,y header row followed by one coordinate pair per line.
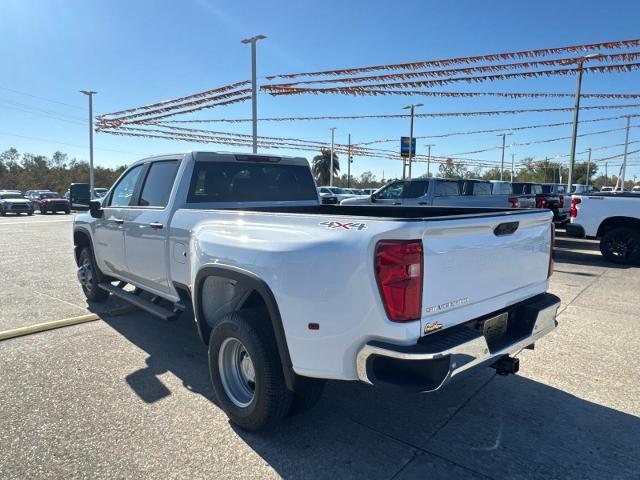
x,y
321,166
452,169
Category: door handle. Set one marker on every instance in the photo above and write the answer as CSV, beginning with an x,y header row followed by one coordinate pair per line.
x,y
396,203
422,203
157,225
119,221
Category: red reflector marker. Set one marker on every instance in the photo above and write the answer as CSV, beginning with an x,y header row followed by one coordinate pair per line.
x,y
398,269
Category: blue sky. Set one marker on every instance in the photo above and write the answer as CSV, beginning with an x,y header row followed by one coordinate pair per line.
x,y
137,52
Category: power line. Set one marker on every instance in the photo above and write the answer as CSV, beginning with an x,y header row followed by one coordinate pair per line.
x,y
67,144
41,98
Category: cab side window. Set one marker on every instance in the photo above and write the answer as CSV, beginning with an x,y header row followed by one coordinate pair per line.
x,y
415,189
391,192
123,192
157,185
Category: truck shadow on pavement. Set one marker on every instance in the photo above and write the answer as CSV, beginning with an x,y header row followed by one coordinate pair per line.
x,y
502,427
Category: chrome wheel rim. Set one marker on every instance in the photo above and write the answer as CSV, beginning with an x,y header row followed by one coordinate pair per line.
x,y
85,274
236,372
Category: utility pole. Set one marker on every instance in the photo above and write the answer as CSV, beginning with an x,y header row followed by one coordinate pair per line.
x,y
513,156
411,107
429,158
333,131
349,163
503,135
254,92
606,173
626,149
90,94
546,165
576,112
589,166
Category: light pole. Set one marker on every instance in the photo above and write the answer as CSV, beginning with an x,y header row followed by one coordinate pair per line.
x,y
254,94
90,94
576,112
411,107
503,135
626,149
333,131
589,166
349,163
429,145
513,156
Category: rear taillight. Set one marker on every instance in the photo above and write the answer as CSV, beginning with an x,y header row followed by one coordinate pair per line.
x,y
541,202
398,268
513,201
561,202
574,210
552,252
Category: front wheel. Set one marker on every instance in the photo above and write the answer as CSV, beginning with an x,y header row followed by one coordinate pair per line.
x,y
42,211
88,278
246,372
621,245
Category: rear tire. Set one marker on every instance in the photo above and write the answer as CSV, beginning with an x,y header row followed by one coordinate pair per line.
x,y
621,245
87,275
246,372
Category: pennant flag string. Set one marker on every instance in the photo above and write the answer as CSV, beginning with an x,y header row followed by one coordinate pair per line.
x,y
625,57
621,44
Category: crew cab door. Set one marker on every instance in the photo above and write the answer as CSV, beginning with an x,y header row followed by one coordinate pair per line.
x,y
146,227
109,230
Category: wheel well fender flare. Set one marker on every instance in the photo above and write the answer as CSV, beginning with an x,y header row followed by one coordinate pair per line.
x,y
255,283
615,222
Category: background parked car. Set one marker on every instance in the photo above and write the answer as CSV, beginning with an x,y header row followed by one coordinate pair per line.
x,y
14,202
51,202
340,193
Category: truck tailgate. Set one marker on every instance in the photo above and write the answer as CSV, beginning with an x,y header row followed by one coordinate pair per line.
x,y
480,266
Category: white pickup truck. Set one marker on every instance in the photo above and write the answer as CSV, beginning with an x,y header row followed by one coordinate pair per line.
x,y
288,292
614,218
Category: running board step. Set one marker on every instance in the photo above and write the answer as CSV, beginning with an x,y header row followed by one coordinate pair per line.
x,y
140,302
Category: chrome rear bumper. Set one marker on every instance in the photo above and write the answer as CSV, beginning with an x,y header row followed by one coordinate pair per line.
x,y
437,358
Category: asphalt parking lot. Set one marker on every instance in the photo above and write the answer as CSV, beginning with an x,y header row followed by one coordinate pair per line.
x,y
129,396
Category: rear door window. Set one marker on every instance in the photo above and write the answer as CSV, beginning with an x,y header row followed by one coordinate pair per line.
x,y
157,185
446,188
482,188
250,182
536,189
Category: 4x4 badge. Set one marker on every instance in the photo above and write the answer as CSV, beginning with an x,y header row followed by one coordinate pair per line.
x,y
345,226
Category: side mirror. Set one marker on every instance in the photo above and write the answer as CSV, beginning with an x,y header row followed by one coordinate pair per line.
x,y
95,208
374,198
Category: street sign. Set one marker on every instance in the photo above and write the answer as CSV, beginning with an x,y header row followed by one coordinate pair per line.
x,y
404,147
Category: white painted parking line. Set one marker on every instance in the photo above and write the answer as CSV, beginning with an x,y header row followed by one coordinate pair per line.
x,y
36,221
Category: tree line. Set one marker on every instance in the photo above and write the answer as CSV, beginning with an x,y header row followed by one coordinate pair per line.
x,y
26,171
